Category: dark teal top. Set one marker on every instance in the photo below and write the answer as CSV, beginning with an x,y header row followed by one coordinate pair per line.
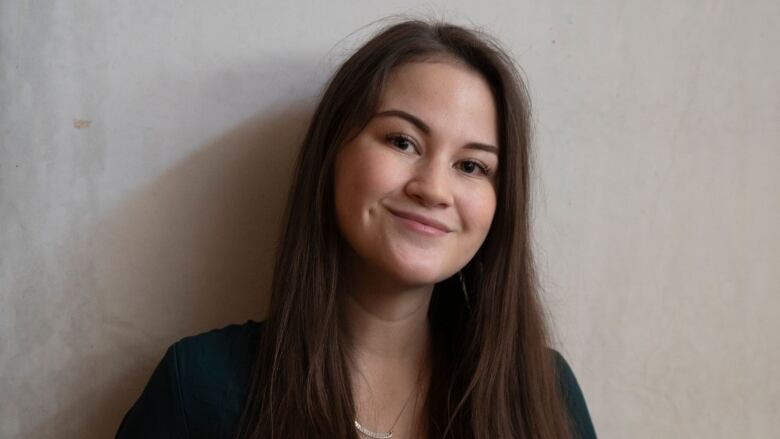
x,y
198,389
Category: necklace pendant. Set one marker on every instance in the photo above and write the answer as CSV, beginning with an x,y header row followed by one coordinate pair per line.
x,y
372,434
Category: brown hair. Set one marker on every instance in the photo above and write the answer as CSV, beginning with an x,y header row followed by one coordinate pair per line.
x,y
493,375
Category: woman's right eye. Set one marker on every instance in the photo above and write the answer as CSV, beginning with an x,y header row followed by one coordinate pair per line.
x,y
400,141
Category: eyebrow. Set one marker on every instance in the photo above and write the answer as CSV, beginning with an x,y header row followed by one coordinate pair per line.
x,y
427,130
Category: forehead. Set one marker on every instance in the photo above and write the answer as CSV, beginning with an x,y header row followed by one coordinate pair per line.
x,y
453,99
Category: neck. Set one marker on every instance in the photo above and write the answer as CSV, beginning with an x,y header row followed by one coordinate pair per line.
x,y
391,328
388,338
385,319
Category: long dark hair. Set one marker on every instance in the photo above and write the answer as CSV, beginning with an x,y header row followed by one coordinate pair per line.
x,y
493,375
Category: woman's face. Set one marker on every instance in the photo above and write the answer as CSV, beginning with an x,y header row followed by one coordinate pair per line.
x,y
428,155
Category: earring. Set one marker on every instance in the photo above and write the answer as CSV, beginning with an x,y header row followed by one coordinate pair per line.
x,y
463,287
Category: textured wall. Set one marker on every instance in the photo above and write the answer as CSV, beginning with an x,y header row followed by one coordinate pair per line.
x,y
146,147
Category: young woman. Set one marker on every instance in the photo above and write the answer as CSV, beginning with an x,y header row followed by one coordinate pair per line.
x,y
404,302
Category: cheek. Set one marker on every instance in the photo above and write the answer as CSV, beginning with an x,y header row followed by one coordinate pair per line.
x,y
480,209
365,178
362,178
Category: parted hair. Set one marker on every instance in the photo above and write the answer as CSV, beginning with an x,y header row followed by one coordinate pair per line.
x,y
493,375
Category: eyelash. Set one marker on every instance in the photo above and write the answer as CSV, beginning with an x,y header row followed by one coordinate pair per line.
x,y
394,137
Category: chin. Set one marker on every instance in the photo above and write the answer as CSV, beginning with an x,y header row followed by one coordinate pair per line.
x,y
418,276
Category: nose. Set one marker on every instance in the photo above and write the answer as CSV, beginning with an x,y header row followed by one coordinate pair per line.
x,y
429,184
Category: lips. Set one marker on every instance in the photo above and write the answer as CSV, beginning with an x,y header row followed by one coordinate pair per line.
x,y
421,219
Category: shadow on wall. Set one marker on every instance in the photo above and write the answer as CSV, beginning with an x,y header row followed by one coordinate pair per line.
x,y
191,251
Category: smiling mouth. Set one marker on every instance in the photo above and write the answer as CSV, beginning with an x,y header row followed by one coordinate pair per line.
x,y
420,224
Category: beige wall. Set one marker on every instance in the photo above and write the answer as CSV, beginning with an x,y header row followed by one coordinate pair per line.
x,y
146,147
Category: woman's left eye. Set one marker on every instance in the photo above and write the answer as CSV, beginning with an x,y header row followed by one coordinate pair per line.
x,y
472,165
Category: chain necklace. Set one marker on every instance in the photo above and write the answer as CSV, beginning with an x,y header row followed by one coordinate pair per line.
x,y
388,434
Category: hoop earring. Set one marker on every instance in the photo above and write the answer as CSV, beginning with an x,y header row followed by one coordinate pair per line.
x,y
463,287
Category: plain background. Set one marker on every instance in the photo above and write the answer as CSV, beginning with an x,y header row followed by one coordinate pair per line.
x,y
146,150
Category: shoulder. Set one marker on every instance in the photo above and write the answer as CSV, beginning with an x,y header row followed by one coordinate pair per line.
x,y
573,397
230,345
214,367
199,387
